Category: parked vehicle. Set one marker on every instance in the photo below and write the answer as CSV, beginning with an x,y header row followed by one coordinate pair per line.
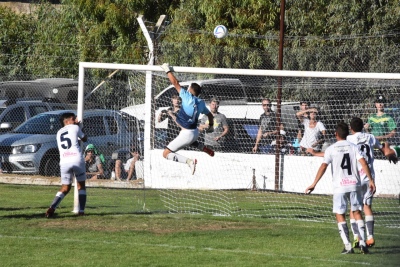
x,y
243,117
61,89
31,148
13,113
229,91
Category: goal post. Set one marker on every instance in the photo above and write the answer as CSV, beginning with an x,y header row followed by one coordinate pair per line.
x,y
237,181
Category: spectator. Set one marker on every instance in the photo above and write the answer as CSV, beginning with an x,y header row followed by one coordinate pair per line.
x,y
303,106
94,162
170,114
124,164
314,130
267,131
215,140
381,125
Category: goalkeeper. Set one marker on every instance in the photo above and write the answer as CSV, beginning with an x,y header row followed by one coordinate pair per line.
x,y
187,118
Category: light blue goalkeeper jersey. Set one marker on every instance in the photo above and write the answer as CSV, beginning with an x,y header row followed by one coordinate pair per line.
x,y
191,108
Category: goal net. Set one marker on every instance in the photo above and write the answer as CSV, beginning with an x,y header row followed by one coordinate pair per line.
x,y
238,181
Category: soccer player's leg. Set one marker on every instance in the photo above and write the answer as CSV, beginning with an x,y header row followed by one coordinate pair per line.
x,y
185,138
356,205
80,174
369,218
339,208
66,181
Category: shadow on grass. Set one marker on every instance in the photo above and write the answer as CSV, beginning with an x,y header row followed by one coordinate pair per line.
x,y
385,250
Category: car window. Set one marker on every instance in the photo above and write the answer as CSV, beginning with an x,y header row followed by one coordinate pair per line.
x,y
15,115
57,107
94,126
112,125
133,125
222,91
34,110
40,124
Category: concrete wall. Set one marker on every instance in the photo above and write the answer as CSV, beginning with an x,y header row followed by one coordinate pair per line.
x,y
235,171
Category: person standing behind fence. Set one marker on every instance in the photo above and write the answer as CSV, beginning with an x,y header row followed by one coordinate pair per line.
x,y
215,140
381,125
344,157
303,106
170,114
267,131
71,162
187,118
314,130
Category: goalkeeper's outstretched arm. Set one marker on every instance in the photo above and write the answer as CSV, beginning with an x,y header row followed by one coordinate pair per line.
x,y
174,81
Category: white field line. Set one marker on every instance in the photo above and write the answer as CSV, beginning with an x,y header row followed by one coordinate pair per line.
x,y
168,246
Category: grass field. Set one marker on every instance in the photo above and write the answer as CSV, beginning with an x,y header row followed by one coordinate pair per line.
x,y
113,233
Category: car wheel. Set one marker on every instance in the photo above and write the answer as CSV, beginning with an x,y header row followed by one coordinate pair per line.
x,y
51,167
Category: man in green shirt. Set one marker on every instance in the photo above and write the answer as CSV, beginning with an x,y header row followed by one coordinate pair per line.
x,y
381,125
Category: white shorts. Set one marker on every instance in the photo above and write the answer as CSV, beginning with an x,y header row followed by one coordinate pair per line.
x,y
185,138
68,169
366,194
340,201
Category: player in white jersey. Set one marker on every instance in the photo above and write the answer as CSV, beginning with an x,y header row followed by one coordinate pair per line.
x,y
343,157
71,162
366,143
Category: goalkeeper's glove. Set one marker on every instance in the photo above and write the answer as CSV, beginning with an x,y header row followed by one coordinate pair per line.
x,y
166,67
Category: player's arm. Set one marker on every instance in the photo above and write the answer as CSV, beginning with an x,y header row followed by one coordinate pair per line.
x,y
81,134
210,121
390,153
318,177
258,138
84,138
386,136
225,132
174,81
322,139
367,171
315,153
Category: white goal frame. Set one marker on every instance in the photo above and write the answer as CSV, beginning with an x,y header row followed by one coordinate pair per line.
x,y
149,69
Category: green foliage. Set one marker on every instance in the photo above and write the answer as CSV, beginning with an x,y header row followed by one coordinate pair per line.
x,y
15,34
320,35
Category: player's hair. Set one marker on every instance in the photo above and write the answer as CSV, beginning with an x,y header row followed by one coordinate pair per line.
x,y
196,88
356,124
66,115
342,129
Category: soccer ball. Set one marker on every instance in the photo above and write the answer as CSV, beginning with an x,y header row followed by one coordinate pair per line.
x,y
220,31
